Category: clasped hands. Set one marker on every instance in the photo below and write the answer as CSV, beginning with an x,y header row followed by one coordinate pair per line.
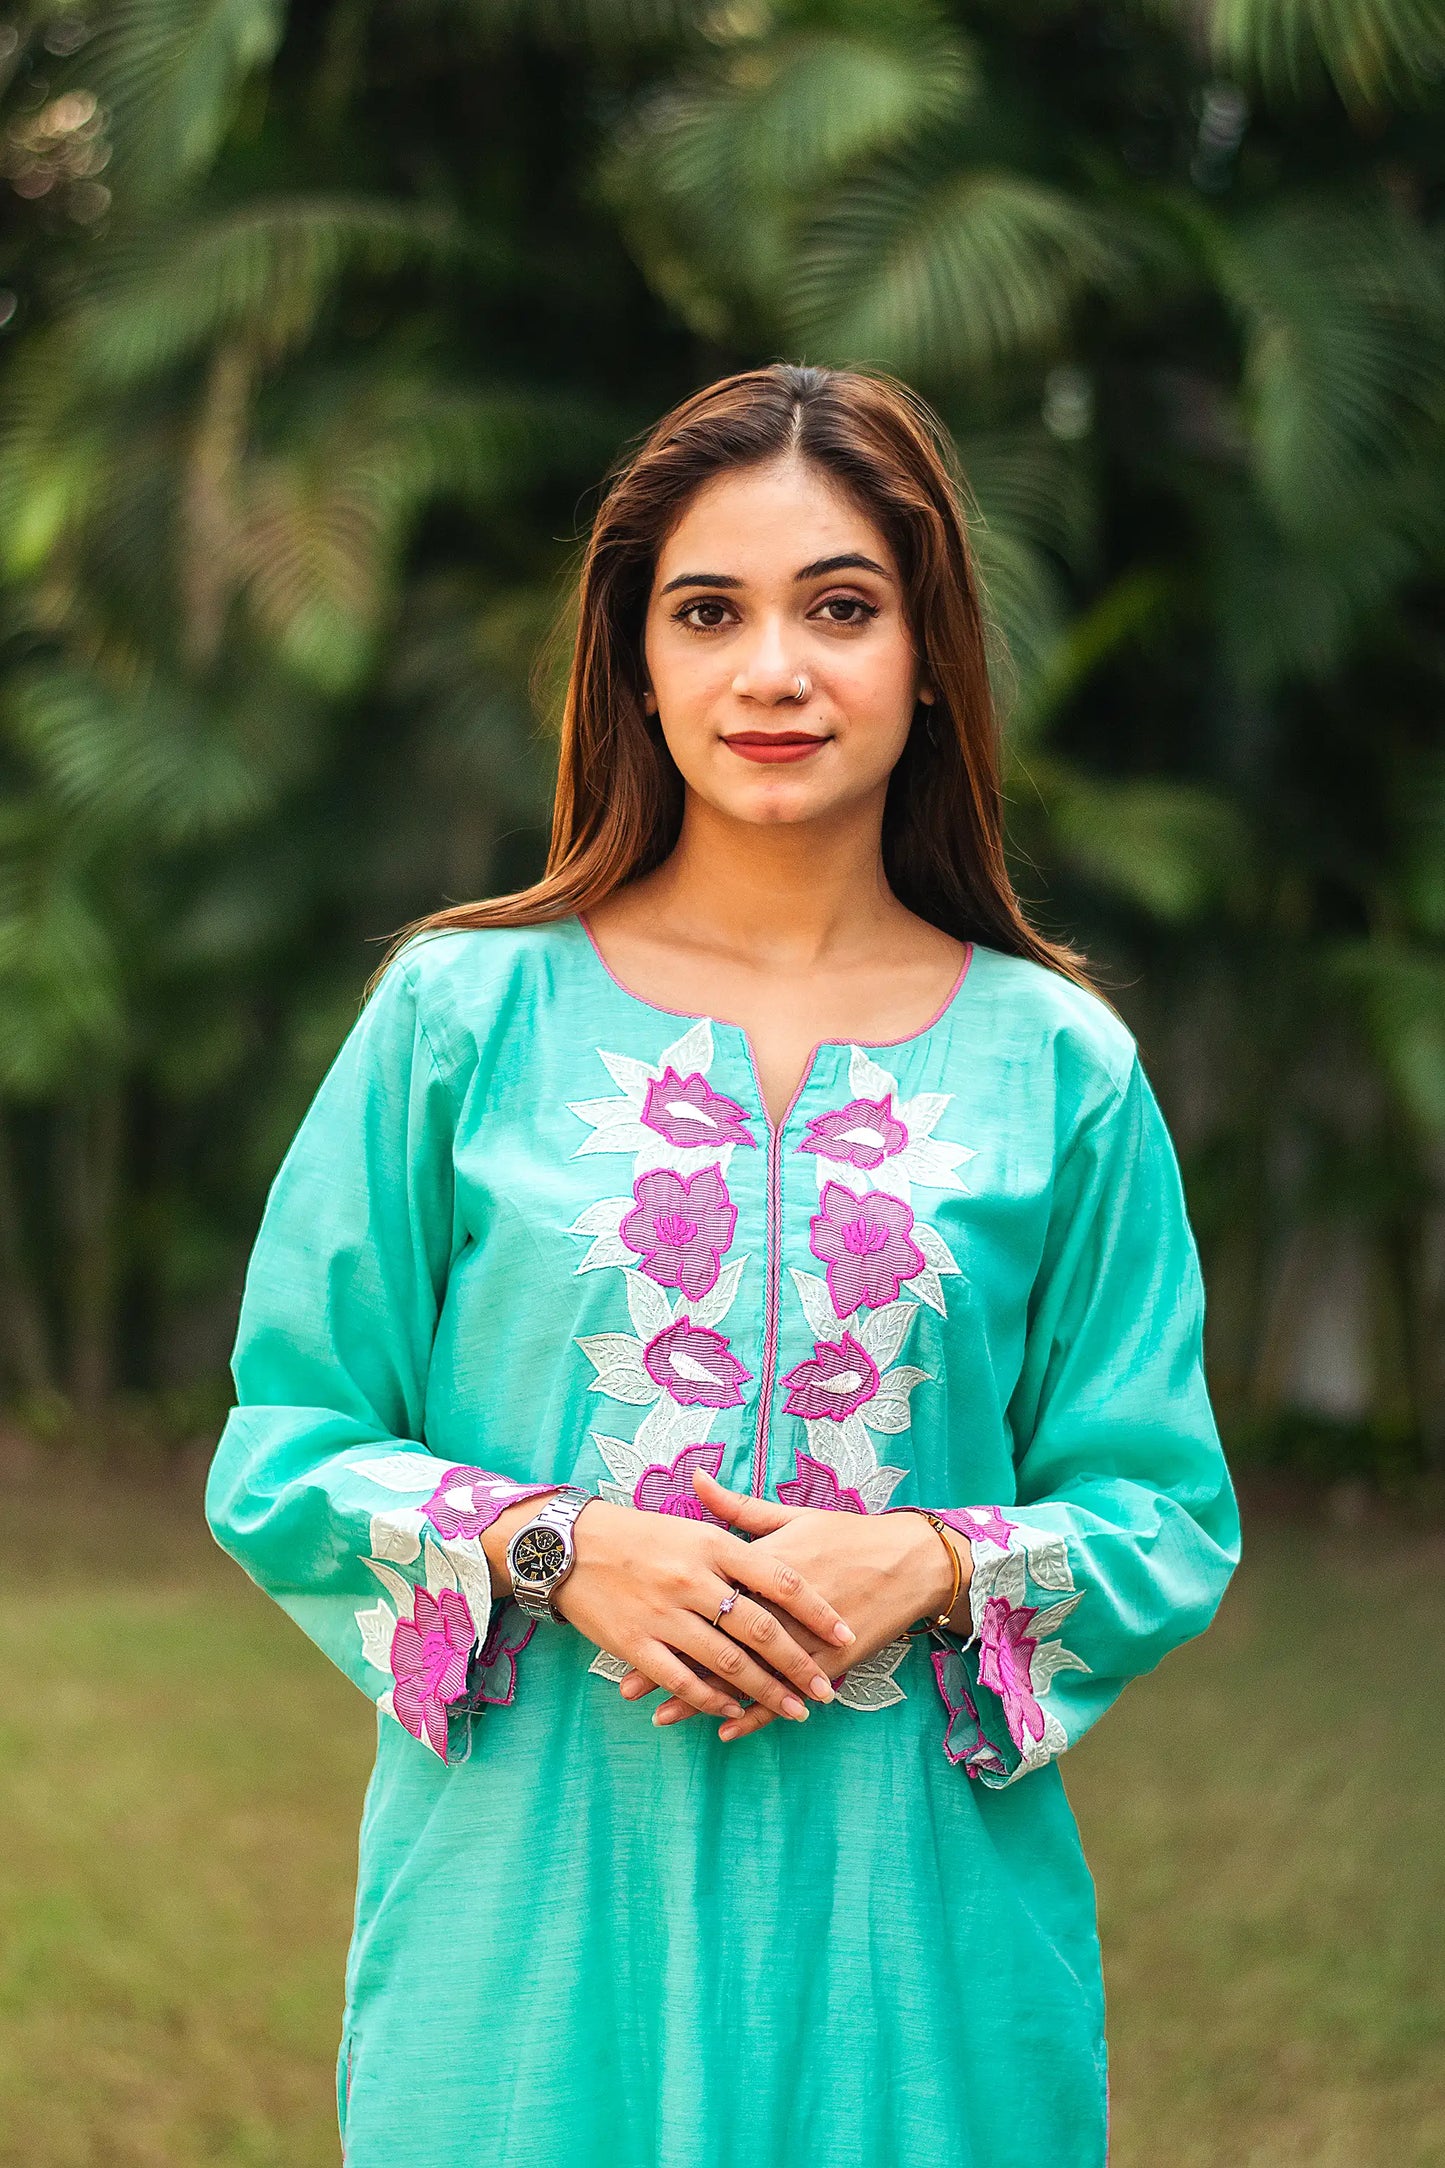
x,y
821,1591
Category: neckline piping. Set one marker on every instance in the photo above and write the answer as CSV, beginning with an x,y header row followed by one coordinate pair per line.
x,y
691,1016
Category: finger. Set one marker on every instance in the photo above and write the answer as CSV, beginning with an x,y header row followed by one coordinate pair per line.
x,y
760,1516
729,1660
635,1686
668,1668
761,1631
738,1727
783,1585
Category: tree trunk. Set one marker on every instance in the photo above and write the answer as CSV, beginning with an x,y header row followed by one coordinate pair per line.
x,y
91,1172
26,1341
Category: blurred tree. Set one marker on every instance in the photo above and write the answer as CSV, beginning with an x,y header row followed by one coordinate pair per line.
x,y
322,326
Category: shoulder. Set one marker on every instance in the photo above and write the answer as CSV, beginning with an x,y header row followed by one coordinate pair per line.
x,y
472,984
1049,1024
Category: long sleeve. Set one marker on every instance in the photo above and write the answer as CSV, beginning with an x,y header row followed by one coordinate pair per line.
x,y
1124,1528
322,1485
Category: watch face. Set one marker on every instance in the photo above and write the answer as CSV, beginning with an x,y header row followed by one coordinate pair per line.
x,y
540,1553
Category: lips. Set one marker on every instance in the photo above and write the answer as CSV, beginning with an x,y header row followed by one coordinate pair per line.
x,y
774,745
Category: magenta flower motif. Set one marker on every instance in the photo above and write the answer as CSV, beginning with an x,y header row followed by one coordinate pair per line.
x,y
686,1110
468,1500
981,1523
694,1367
973,1747
866,1244
681,1228
1005,1655
508,1635
835,1381
862,1134
816,1484
429,1654
670,1490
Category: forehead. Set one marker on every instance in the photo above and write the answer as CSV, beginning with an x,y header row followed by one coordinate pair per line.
x,y
765,521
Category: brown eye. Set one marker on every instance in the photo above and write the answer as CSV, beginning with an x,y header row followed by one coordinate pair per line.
x,y
848,610
688,615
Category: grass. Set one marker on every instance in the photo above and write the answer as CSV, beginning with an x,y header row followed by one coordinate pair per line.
x,y
181,1777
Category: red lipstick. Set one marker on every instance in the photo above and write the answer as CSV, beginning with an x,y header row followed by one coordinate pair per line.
x,y
773,745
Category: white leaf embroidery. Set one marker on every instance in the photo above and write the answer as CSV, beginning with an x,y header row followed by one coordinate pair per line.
x,y
626,1383
396,1534
628,1136
920,1115
402,1471
1049,1660
610,1667
621,1457
649,1307
474,1578
926,1287
932,1163
867,1080
1044,1623
629,1075
818,1307
691,1055
617,1359
876,1489
602,1218
934,1248
400,1591
440,1572
377,1627
608,1250
871,1684
882,1332
616,1494
719,1299
1048,1559
888,1409
666,1429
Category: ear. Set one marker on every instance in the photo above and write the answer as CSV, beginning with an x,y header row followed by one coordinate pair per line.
x,y
927,695
649,700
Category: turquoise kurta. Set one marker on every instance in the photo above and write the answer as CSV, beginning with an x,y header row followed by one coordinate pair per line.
x,y
535,1228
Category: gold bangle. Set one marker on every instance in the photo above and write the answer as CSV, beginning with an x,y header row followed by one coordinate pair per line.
x,y
957,1557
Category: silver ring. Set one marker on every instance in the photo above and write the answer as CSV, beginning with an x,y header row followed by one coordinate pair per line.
x,y
726,1605
804,688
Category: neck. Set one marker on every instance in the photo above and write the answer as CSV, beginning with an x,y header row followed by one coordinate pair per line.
x,y
795,896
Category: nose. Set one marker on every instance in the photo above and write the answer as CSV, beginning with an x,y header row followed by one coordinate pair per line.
x,y
769,675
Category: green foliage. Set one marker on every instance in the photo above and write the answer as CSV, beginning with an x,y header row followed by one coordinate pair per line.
x,y
329,323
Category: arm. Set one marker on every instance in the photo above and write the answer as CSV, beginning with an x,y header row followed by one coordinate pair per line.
x,y
322,1487
1124,1530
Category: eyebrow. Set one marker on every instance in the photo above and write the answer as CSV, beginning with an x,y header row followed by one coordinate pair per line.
x,y
846,561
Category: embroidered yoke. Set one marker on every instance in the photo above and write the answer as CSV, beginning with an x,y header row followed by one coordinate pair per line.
x,y
535,1229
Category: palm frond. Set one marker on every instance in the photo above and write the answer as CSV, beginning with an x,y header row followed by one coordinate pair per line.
x,y
947,277
168,74
1371,50
265,269
1344,313
1171,849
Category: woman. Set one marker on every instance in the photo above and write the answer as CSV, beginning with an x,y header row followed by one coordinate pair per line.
x,y
763,1170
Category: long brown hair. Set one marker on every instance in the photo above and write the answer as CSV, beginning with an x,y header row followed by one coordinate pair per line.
x,y
618,807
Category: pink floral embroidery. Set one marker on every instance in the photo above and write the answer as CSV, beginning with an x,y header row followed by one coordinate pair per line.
x,y
670,1490
681,1228
468,1500
509,1634
836,1380
978,1752
866,1246
862,1134
1005,1655
687,1111
429,1654
983,1524
694,1367
816,1484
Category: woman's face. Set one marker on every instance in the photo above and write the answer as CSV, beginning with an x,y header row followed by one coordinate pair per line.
x,y
772,574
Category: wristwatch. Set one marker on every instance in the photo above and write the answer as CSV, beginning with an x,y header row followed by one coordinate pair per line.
x,y
542,1554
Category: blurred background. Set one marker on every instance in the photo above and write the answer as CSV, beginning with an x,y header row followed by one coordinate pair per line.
x,y
318,328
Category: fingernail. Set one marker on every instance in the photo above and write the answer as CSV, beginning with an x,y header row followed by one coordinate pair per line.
x,y
729,1731
732,1709
821,1689
659,1718
843,1634
793,1707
